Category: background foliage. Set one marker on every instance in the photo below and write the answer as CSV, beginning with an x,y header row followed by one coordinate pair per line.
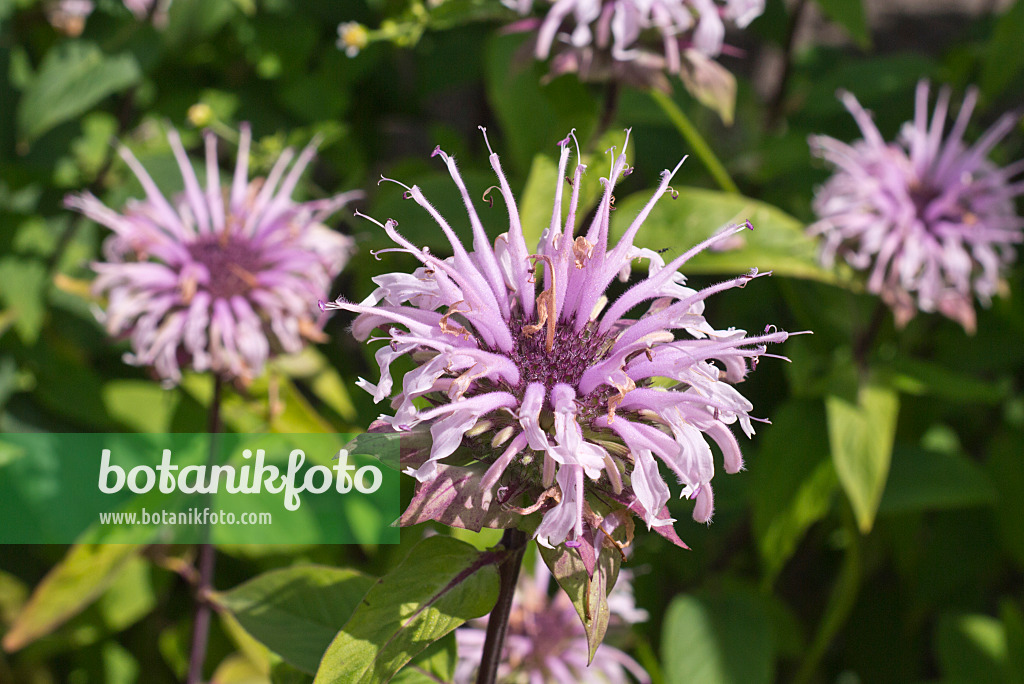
x,y
878,532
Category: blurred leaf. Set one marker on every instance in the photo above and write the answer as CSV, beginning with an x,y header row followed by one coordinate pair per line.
x,y
441,584
923,378
119,665
535,202
74,583
24,291
297,611
533,117
716,640
861,437
1006,473
971,648
777,242
140,405
73,77
237,669
1003,59
1013,626
793,482
297,415
926,480
849,14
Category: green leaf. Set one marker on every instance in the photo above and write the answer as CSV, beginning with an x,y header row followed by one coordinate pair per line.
x,y
533,116
441,584
777,243
1005,472
297,611
861,437
1004,59
435,664
929,480
850,15
716,640
140,405
911,376
589,595
793,482
1013,626
971,648
25,293
74,583
73,77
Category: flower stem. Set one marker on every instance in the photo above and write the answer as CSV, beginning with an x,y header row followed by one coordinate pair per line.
x,y
207,557
695,140
863,342
514,542
840,603
609,107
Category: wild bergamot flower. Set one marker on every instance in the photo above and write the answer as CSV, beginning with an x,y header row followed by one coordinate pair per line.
x,y
546,641
613,38
551,395
223,278
930,219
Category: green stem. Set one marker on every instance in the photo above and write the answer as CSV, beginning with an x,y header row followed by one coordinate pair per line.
x,y
695,140
840,603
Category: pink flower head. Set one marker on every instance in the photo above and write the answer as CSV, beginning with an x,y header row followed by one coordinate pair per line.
x,y
594,37
223,278
931,220
546,641
551,393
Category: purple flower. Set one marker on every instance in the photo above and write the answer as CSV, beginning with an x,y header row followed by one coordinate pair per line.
x,y
68,16
546,641
931,220
223,278
610,38
552,394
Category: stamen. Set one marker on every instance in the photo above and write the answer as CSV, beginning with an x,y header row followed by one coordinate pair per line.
x,y
486,141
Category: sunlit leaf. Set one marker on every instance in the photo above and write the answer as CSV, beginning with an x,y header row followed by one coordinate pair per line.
x,y
777,243
441,584
861,437
297,611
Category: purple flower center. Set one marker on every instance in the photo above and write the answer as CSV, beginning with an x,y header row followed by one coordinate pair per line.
x,y
231,262
571,354
922,196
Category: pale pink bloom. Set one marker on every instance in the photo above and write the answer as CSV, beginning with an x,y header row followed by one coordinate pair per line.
x,y
546,641
929,218
552,391
223,278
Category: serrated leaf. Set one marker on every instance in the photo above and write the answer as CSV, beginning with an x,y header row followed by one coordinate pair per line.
x,y
589,595
851,15
297,611
861,437
442,583
73,77
718,640
923,480
73,584
777,242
